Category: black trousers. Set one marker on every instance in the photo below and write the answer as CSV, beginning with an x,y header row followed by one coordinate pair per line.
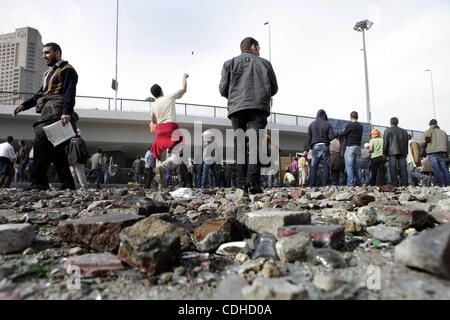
x,y
149,175
377,171
246,120
44,154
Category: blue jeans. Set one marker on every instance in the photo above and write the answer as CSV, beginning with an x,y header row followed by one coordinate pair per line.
x,y
105,176
398,161
206,168
352,157
414,175
137,177
441,176
98,174
367,176
320,152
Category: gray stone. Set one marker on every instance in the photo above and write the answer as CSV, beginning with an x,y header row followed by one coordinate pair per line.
x,y
94,264
273,289
293,248
98,204
269,220
344,196
320,235
428,251
230,288
385,233
15,237
327,282
152,244
3,220
402,216
328,257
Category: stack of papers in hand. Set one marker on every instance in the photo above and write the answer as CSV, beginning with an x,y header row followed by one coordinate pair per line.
x,y
57,133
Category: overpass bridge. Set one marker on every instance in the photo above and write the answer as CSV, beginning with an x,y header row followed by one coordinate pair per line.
x,y
124,133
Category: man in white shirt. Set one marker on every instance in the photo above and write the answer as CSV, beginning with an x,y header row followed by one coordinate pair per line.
x,y
7,156
163,115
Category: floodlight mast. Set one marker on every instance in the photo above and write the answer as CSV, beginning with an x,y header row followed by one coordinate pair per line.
x,y
362,26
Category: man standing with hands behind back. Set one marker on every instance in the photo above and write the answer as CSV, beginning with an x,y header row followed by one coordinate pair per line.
x,y
248,82
54,102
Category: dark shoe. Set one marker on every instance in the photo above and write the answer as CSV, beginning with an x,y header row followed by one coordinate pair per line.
x,y
255,190
36,187
65,186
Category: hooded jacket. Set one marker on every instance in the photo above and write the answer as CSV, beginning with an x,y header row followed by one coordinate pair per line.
x,y
248,82
320,131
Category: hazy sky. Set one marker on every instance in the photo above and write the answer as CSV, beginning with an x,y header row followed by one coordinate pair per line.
x,y
316,54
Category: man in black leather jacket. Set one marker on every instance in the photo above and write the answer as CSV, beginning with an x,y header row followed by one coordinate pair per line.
x,y
248,82
395,146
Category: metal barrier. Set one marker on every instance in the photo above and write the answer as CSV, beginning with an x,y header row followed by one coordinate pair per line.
x,y
186,109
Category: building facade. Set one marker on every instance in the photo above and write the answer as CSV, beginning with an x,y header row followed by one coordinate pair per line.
x,y
21,64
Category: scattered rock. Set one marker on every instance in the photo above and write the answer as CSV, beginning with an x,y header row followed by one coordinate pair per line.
x,y
141,206
94,265
269,220
230,288
213,233
293,248
152,244
327,282
428,251
100,232
385,233
402,216
15,237
330,258
363,199
234,248
320,235
273,289
270,270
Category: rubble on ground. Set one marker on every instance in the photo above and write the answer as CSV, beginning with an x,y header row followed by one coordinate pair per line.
x,y
286,243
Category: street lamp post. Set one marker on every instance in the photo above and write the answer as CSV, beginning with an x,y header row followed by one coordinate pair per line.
x,y
270,44
362,26
432,91
116,84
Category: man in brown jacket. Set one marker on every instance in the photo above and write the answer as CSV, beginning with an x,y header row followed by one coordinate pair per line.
x,y
413,162
435,142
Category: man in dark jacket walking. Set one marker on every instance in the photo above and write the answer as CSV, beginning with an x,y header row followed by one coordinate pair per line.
x,y
77,156
248,82
320,133
395,146
55,102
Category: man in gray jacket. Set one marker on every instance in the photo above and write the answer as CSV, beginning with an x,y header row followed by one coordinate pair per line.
x,y
248,82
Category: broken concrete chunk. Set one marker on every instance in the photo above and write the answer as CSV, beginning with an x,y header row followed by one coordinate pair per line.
x,y
15,237
428,251
100,232
94,265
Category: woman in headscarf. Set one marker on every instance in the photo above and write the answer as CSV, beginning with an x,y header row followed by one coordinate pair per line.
x,y
376,159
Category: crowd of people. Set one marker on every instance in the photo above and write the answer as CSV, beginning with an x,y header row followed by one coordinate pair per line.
x,y
248,82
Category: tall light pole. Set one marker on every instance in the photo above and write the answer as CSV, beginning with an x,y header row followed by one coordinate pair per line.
x,y
116,84
432,91
362,26
270,44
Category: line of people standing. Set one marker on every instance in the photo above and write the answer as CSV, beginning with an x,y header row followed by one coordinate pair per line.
x,y
382,161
